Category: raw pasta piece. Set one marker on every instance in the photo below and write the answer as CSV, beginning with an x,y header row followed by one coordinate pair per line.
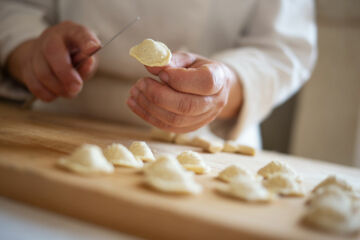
x,y
246,150
87,159
183,139
234,147
284,184
232,172
210,145
151,53
230,146
334,211
334,180
167,175
193,161
119,155
161,135
247,189
142,151
277,167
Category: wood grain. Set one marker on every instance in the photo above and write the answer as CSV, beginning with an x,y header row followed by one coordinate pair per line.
x,y
31,143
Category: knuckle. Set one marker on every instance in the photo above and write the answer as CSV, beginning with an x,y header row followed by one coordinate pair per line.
x,y
174,119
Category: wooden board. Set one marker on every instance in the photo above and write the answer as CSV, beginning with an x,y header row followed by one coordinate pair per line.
x,y
31,143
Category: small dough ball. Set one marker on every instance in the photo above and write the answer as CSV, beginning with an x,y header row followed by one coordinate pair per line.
x,y
246,150
284,184
167,175
151,53
333,211
193,161
247,189
210,145
142,151
119,155
334,180
87,159
233,171
277,167
158,134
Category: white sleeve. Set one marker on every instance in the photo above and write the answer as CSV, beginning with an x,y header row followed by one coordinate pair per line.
x,y
21,21
274,57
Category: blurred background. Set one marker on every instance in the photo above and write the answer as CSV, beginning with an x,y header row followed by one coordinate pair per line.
x,y
323,120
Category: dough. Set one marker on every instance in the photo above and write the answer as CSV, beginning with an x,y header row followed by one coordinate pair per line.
x,y
119,155
161,135
87,159
233,147
232,172
334,180
247,189
284,184
212,146
167,175
331,209
193,161
183,139
151,53
277,167
142,151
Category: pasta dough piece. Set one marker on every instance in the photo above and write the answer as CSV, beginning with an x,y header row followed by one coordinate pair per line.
x,y
118,154
284,184
333,210
334,180
167,175
212,146
234,147
183,139
277,167
142,151
161,135
87,159
151,53
193,161
232,172
247,189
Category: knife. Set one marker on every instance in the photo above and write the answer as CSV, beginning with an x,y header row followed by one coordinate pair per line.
x,y
32,99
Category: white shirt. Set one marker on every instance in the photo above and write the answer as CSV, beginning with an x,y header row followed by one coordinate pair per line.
x,y
271,44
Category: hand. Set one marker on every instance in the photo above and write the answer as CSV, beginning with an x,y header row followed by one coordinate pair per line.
x,y
193,92
46,64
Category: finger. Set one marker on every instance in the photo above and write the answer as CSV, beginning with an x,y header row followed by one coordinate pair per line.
x,y
87,69
173,101
35,86
170,118
205,80
44,74
84,41
178,59
160,124
57,55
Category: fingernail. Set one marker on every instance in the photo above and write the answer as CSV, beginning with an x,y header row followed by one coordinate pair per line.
x,y
74,88
134,92
164,76
91,45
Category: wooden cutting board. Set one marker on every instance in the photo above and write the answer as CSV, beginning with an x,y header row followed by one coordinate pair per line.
x,y
31,143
